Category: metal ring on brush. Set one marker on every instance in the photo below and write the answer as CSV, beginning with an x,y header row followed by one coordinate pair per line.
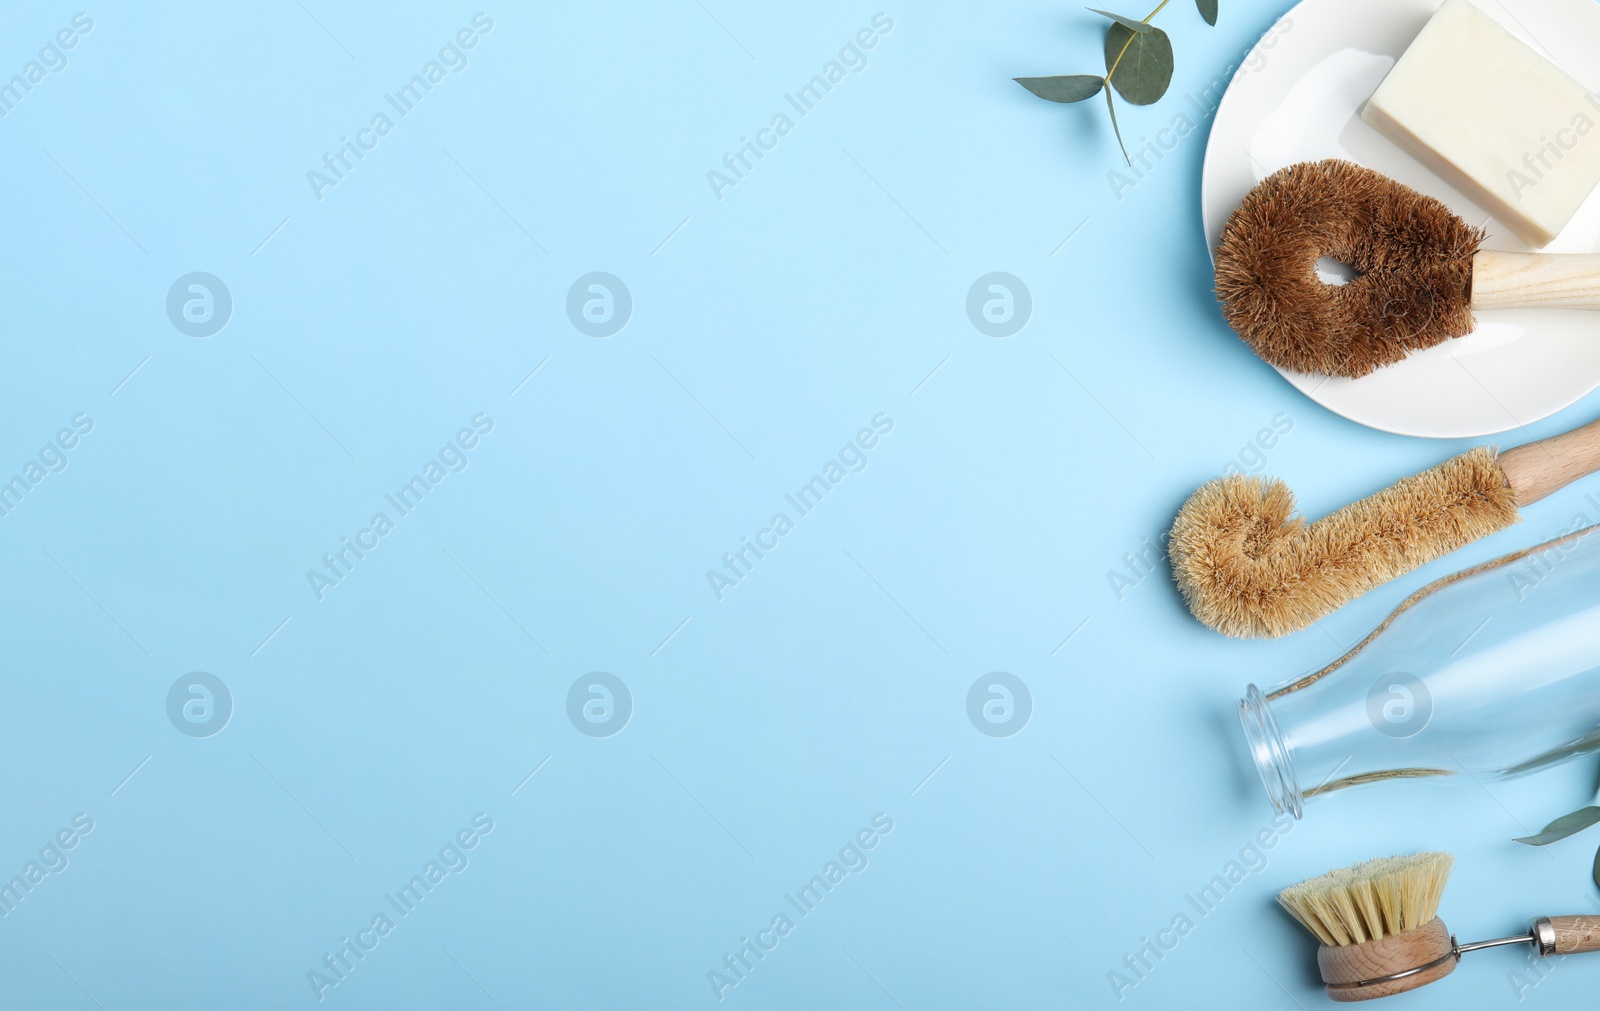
x,y
1456,951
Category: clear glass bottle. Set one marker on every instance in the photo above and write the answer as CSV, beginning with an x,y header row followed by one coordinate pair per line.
x,y
1494,671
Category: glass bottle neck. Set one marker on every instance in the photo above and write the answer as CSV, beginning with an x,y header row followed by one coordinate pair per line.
x,y
1270,753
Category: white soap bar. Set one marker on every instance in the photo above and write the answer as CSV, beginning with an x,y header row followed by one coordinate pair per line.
x,y
1495,119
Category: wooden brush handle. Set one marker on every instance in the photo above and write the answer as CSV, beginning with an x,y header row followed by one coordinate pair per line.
x,y
1502,280
1539,468
1573,934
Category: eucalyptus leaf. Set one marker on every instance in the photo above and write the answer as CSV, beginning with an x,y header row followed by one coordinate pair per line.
x,y
1142,62
1111,108
1561,828
1138,67
1596,874
1069,88
1138,26
1587,743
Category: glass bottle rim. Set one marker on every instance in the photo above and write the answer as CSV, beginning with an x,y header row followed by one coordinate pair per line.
x,y
1270,753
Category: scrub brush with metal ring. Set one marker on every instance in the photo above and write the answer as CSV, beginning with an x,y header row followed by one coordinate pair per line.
x,y
1381,934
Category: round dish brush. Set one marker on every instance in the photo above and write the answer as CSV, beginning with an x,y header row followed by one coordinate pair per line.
x,y
1249,568
1381,934
1421,272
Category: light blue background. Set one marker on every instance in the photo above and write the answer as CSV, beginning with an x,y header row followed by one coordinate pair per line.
x,y
768,327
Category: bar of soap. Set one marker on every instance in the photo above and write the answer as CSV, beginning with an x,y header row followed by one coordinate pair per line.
x,y
1495,119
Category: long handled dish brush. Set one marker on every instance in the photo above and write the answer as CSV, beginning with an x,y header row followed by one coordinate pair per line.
x,y
1421,271
1248,567
1381,934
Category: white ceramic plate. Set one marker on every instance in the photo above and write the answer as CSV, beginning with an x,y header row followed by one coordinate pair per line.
x,y
1297,96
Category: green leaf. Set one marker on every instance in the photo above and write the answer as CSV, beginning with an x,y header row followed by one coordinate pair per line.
x,y
1587,743
1208,10
1070,88
1566,825
1137,26
1116,129
1596,874
1143,63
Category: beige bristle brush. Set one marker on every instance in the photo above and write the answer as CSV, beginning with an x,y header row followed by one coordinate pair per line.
x,y
1381,933
1421,273
1248,567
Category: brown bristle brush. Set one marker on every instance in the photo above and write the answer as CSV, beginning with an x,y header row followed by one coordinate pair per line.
x,y
1421,273
1249,568
1381,934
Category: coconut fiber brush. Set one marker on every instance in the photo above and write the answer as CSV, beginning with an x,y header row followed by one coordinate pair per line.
x,y
1249,568
1421,273
1380,931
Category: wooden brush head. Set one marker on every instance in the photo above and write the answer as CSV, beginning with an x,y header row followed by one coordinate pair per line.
x,y
1376,919
1413,255
1428,945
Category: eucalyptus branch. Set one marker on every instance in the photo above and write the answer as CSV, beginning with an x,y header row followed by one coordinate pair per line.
x,y
1570,825
1140,50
